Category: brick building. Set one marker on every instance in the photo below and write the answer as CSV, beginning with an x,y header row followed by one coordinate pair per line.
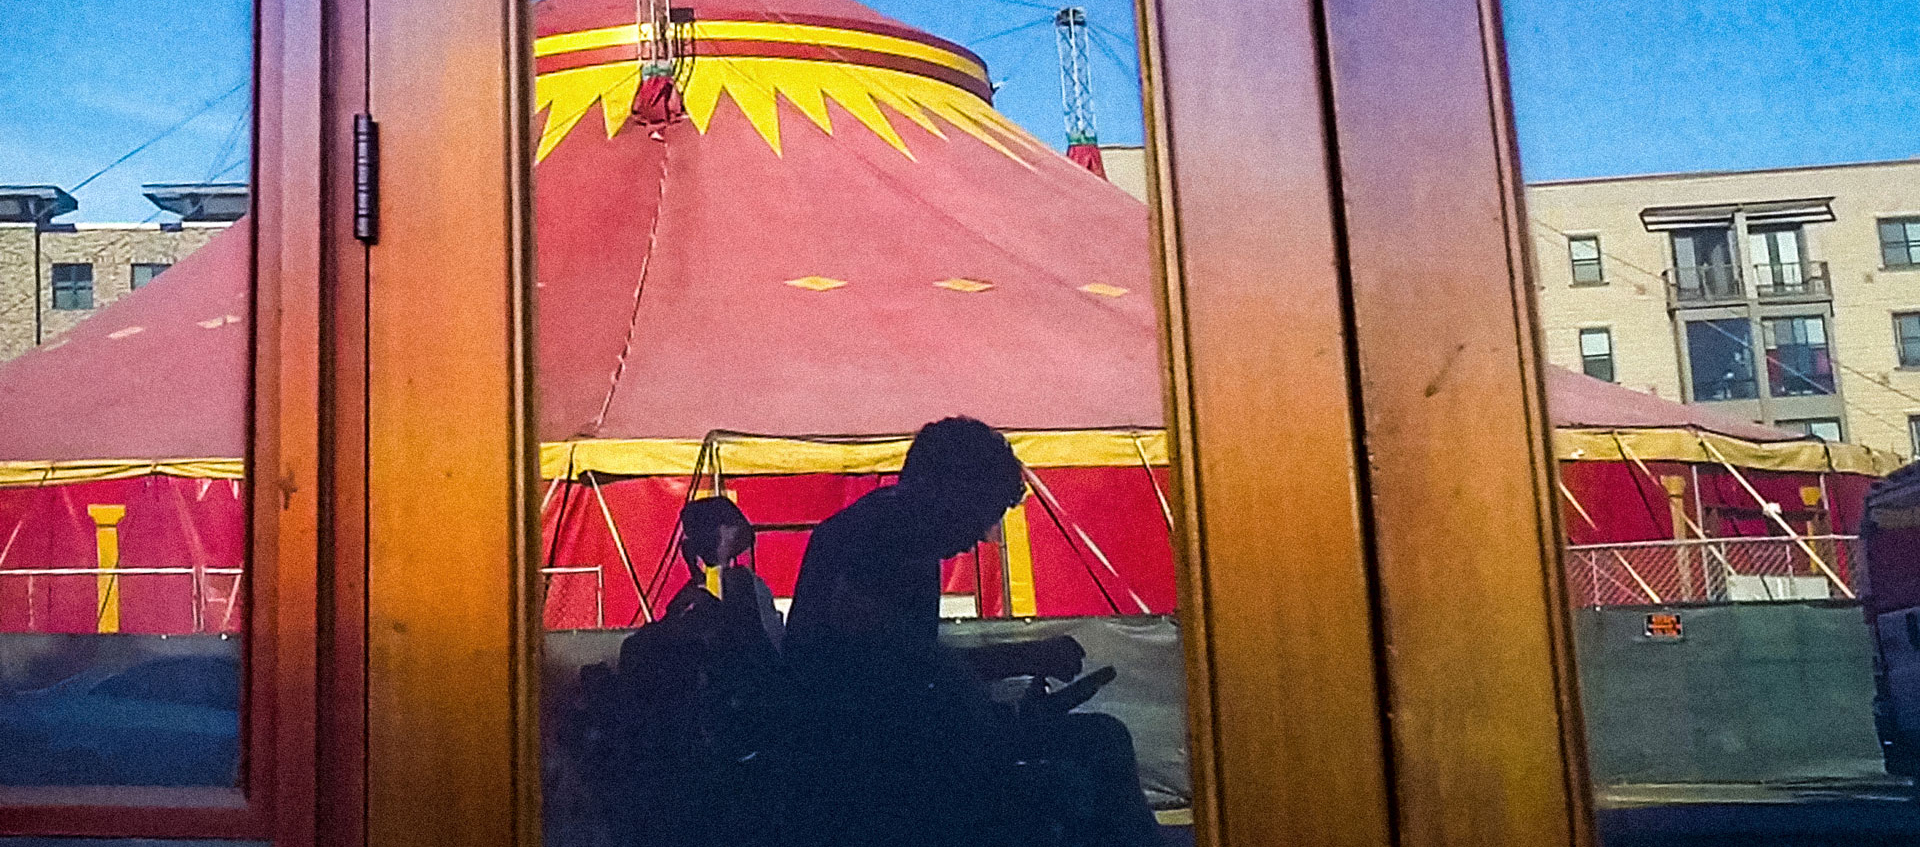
x,y
54,275
1787,296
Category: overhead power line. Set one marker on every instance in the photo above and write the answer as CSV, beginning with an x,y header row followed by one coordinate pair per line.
x,y
204,108
1027,4
1047,19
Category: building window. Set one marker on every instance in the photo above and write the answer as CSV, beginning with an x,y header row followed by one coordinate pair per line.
x,y
1900,242
1596,353
1584,251
1721,353
1906,333
144,272
1779,257
72,286
1825,429
1798,362
1913,432
1703,265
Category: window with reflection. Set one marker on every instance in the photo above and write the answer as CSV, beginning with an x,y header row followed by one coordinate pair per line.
x,y
856,520
1742,544
123,395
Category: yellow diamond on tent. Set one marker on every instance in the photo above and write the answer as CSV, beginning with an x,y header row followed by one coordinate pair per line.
x,y
1103,289
816,283
967,285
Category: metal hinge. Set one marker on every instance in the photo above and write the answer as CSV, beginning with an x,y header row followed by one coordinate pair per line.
x,y
366,179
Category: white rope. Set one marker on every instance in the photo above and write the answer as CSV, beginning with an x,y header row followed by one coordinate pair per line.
x,y
1772,510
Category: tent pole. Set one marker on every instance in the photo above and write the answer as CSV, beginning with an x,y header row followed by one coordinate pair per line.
x,y
1166,509
1644,587
620,546
1773,511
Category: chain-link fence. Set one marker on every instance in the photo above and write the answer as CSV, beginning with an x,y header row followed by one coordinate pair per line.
x,y
1714,570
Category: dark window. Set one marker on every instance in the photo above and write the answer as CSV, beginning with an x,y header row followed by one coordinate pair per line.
x,y
1596,353
1798,361
1825,429
144,272
1913,433
1906,330
1721,353
1584,251
1900,242
73,286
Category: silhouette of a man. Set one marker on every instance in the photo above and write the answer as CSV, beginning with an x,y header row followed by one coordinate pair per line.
x,y
689,700
894,733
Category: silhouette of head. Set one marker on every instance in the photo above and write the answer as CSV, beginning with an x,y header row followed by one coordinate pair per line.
x,y
966,478
714,531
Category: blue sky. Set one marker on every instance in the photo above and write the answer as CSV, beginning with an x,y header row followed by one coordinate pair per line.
x,y
1607,87
83,82
1601,87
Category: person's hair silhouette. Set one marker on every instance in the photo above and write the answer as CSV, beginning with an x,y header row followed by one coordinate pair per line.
x,y
713,531
965,476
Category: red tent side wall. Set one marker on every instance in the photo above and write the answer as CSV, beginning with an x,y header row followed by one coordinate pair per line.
x,y
1116,507
1626,506
170,522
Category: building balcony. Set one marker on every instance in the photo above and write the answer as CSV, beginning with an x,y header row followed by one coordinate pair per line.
x,y
1792,281
1722,285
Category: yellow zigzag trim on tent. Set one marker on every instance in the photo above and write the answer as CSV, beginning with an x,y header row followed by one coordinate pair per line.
x,y
757,84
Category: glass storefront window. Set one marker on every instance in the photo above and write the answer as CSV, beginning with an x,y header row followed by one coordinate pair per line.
x,y
124,394
855,512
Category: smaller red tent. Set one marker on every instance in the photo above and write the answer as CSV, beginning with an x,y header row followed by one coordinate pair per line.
x,y
1635,469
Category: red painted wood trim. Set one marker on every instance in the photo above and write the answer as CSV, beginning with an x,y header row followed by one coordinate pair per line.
x,y
275,798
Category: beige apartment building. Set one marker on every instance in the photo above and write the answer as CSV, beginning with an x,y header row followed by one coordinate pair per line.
x,y
54,275
1787,296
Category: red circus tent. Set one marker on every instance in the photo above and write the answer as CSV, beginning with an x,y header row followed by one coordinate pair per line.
x,y
838,241
142,408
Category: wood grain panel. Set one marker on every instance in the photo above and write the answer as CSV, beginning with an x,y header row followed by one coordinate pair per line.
x,y
448,463
1287,733
286,401
1486,746
341,800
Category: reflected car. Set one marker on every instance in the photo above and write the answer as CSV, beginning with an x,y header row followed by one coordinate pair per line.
x,y
170,722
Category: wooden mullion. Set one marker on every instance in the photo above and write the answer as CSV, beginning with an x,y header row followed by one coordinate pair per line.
x,y
1486,742
1286,723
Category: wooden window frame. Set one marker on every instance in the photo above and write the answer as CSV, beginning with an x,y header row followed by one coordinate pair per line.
x,y
274,801
1358,703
